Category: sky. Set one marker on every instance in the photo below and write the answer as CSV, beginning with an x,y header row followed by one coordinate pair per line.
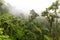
x,y
27,5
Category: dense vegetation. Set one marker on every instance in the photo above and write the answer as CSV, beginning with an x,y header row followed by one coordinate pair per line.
x,y
35,27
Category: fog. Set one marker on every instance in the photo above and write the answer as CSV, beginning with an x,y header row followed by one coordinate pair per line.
x,y
24,6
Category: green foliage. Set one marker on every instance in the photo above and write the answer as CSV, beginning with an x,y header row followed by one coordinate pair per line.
x,y
3,37
52,7
18,28
52,19
33,15
44,13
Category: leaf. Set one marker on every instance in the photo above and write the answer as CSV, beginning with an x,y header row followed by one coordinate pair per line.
x,y
1,29
47,37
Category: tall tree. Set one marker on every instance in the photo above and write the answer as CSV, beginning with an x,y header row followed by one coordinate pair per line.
x,y
52,17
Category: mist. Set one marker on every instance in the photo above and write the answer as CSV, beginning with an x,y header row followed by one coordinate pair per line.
x,y
24,6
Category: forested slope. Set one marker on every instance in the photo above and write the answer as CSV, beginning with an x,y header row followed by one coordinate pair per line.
x,y
33,28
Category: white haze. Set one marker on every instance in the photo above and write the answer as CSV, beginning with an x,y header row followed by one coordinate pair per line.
x,y
27,5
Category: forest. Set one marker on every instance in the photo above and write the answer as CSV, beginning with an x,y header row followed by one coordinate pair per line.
x,y
35,27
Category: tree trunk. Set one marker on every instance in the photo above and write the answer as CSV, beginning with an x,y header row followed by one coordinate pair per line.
x,y
52,31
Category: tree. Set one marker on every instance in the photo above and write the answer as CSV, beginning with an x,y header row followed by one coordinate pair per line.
x,y
52,17
3,8
33,15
